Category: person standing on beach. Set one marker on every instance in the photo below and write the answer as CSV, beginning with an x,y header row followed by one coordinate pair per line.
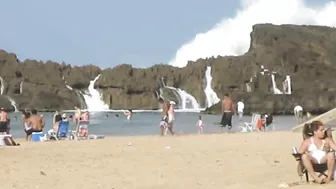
x,y
56,119
240,109
200,125
78,114
298,113
168,114
36,122
171,116
4,121
164,115
228,110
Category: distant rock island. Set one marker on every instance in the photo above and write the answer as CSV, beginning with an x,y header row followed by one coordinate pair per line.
x,y
305,53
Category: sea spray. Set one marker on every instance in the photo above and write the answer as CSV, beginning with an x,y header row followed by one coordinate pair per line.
x,y
93,99
231,36
210,94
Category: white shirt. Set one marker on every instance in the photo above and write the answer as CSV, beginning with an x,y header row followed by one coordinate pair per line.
x,y
240,106
298,108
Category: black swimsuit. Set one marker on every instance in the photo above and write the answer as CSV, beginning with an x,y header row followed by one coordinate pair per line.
x,y
3,126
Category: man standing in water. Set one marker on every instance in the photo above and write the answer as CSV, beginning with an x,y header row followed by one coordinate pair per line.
x,y
36,122
228,110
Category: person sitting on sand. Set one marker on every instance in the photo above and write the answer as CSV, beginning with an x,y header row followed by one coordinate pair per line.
x,y
200,125
317,150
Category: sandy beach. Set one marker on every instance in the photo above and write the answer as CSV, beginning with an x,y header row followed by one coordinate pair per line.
x,y
241,160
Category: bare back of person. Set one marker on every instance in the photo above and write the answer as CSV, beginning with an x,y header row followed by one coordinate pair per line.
x,y
36,122
165,109
227,105
228,110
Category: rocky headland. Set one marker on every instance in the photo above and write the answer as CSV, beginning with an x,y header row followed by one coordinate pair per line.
x,y
305,53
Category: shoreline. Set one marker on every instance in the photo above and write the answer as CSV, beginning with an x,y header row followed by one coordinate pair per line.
x,y
203,112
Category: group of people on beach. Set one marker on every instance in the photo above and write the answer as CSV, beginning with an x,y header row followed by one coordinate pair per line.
x,y
34,123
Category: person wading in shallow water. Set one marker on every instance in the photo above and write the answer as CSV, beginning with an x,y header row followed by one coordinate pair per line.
x,y
228,110
171,116
165,107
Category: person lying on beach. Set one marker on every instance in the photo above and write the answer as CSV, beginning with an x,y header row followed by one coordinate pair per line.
x,y
318,149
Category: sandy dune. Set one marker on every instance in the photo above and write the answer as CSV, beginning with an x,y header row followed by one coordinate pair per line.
x,y
242,160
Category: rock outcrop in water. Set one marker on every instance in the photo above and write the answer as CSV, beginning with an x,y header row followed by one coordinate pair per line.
x,y
306,53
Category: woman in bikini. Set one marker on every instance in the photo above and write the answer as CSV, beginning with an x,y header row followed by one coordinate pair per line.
x,y
318,149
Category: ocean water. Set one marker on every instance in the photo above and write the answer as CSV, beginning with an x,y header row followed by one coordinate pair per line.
x,y
147,123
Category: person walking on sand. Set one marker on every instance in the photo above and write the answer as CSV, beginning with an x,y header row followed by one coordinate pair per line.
x,y
228,110
240,109
200,125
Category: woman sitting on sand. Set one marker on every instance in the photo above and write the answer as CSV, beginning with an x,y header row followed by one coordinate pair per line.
x,y
318,149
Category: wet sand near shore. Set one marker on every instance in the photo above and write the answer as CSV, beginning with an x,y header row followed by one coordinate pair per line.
x,y
240,160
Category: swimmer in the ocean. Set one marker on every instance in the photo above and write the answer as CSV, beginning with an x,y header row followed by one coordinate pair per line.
x,y
128,113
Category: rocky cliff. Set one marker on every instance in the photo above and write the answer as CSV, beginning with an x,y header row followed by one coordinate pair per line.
x,y
305,53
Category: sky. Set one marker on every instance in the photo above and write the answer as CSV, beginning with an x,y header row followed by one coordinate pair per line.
x,y
107,32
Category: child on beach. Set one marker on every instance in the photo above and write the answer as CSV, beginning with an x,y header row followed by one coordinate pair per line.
x,y
163,125
200,125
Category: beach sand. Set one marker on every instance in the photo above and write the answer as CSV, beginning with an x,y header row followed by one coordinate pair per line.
x,y
241,160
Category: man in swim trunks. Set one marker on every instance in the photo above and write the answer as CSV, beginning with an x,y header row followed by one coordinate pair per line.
x,y
228,110
4,121
36,122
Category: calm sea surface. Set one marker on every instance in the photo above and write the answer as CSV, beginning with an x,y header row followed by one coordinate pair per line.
x,y
147,123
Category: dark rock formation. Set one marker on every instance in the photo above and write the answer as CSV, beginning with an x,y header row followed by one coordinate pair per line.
x,y
306,53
